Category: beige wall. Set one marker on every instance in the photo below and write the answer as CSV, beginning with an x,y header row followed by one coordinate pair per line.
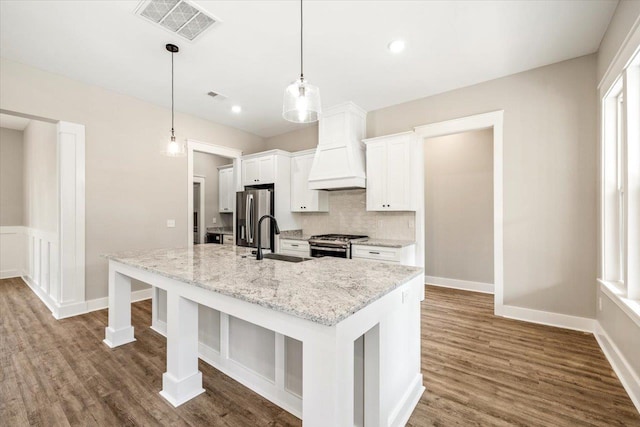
x,y
549,176
348,214
11,179
206,165
41,176
626,14
131,189
297,140
459,206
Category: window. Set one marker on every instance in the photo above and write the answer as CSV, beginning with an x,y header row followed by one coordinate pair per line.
x,y
621,183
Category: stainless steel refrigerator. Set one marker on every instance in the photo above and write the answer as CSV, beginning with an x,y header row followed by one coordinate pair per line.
x,y
251,205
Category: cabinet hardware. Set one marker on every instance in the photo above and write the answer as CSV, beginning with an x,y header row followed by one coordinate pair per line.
x,y
374,253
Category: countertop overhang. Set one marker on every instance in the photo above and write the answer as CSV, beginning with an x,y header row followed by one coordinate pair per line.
x,y
322,290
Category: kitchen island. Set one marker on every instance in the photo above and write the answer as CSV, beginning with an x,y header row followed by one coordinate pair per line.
x,y
326,304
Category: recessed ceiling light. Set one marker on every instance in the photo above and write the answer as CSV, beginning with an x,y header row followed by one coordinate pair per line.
x,y
236,109
396,46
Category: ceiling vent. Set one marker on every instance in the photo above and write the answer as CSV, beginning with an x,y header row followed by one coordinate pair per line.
x,y
178,16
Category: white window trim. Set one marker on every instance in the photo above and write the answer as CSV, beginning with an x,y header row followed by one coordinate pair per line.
x,y
625,292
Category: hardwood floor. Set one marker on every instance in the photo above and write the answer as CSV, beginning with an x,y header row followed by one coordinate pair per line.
x,y
479,370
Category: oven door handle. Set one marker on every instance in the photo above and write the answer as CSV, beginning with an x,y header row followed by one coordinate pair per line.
x,y
328,249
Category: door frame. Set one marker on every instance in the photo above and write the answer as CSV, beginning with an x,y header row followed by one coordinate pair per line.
x,y
199,179
495,121
219,150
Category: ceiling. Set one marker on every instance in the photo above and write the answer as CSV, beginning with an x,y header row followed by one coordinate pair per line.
x,y
253,54
13,122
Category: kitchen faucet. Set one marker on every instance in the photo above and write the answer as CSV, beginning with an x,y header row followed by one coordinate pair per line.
x,y
259,255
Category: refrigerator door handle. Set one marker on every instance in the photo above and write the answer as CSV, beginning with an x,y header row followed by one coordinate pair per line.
x,y
250,219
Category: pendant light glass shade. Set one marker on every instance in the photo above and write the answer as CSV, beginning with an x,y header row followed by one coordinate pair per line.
x,y
173,147
301,102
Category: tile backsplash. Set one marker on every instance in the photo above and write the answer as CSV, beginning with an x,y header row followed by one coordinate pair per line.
x,y
348,215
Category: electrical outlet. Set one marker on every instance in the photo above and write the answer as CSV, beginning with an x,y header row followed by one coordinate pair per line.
x,y
171,223
214,220
405,295
600,303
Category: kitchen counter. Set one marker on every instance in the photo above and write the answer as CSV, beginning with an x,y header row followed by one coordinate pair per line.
x,y
294,235
255,312
220,230
323,290
386,243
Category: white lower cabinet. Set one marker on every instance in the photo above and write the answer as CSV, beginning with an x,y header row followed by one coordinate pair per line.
x,y
404,255
227,239
294,247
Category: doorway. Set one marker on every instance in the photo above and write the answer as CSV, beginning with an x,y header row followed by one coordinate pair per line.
x,y
458,206
48,246
205,164
494,121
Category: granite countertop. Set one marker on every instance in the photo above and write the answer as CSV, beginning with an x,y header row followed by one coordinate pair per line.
x,y
220,230
294,235
323,290
387,243
300,237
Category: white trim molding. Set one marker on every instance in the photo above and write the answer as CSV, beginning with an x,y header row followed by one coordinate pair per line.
x,y
495,121
465,285
620,365
576,323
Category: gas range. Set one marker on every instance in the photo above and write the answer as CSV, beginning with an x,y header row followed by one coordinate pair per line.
x,y
335,245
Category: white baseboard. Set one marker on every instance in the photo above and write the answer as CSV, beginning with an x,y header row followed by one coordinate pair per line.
x,y
44,297
9,274
583,324
62,311
402,412
102,303
465,285
621,367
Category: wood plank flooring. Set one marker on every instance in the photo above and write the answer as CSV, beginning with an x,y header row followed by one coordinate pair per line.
x,y
479,370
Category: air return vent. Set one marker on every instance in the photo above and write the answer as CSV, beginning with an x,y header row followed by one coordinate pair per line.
x,y
178,16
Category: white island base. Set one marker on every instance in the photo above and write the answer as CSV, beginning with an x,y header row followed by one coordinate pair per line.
x,y
345,379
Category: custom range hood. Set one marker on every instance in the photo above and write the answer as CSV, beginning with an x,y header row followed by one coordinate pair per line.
x,y
339,160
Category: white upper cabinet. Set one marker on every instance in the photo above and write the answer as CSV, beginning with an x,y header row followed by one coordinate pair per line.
x,y
392,172
259,170
302,198
226,189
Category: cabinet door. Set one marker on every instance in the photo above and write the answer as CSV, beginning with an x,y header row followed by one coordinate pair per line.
x,y
299,183
226,192
266,169
398,176
222,191
376,176
231,190
250,172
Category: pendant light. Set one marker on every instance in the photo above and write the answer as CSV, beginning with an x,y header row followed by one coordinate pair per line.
x,y
173,147
301,100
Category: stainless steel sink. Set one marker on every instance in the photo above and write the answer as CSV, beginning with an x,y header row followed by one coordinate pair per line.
x,y
287,258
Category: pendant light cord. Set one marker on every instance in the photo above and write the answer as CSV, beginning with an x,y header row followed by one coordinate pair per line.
x,y
172,132
301,49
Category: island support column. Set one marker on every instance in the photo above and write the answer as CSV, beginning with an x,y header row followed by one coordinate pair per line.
x,y
182,381
327,378
119,331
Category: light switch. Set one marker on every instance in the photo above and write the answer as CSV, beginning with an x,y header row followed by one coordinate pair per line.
x,y
171,223
214,220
